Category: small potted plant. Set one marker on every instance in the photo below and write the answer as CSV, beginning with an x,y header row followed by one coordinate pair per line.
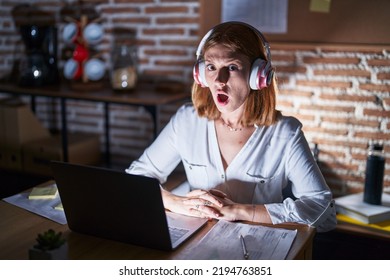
x,y
50,246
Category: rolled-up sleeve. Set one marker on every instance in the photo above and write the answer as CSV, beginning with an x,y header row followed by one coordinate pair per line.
x,y
313,203
161,157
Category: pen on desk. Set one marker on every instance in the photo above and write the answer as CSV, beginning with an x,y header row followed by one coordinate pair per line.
x,y
245,251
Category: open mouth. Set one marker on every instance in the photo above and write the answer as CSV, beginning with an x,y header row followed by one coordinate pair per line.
x,y
222,98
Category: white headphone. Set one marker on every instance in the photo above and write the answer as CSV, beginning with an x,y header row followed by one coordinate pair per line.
x,y
261,71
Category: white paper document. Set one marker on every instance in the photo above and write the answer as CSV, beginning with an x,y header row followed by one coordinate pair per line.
x,y
42,207
269,16
223,242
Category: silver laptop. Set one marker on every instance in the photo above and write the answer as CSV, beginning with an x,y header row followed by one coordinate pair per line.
x,y
118,206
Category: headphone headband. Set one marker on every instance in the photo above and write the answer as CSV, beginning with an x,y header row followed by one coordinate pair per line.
x,y
259,34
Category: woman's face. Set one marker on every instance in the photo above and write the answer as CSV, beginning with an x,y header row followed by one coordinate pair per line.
x,y
227,74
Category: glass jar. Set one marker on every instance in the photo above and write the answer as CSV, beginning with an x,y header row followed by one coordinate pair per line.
x,y
374,174
124,74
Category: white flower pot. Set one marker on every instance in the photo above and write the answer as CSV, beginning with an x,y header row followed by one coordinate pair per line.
x,y
56,254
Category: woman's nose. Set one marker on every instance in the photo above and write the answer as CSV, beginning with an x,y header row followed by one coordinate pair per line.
x,y
223,75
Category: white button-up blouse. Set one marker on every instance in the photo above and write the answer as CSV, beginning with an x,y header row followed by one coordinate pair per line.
x,y
274,159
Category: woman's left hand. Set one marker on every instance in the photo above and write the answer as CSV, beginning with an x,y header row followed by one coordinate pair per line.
x,y
232,211
203,203
229,210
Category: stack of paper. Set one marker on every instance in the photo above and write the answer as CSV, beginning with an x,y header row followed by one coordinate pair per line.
x,y
49,191
223,242
43,200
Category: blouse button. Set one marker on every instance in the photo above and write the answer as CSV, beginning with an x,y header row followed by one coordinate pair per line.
x,y
223,176
262,181
190,167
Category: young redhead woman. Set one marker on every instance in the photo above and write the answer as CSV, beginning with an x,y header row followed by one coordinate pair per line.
x,y
241,156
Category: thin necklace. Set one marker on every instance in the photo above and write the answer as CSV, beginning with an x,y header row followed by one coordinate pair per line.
x,y
230,127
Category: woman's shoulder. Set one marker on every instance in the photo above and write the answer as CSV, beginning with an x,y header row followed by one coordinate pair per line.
x,y
289,121
287,125
187,115
186,112
187,109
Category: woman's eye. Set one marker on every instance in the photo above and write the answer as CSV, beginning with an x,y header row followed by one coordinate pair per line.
x,y
233,67
210,67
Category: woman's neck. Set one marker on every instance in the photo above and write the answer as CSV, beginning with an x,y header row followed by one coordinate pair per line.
x,y
232,119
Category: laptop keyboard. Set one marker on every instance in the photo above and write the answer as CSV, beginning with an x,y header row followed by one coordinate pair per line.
x,y
176,233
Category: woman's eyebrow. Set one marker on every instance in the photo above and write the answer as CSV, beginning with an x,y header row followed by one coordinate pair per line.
x,y
232,60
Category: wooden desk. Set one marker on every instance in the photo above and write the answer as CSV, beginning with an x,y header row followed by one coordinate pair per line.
x,y
359,229
150,96
19,228
352,241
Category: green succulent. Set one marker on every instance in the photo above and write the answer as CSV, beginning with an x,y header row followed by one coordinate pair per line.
x,y
49,240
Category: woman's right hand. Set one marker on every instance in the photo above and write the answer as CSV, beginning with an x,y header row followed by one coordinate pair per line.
x,y
197,203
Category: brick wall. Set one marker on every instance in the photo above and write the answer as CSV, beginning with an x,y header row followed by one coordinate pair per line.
x,y
340,93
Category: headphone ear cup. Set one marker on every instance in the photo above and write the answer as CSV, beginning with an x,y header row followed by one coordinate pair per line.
x,y
261,74
199,73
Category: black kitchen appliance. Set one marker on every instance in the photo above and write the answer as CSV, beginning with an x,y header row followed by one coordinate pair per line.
x,y
38,66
